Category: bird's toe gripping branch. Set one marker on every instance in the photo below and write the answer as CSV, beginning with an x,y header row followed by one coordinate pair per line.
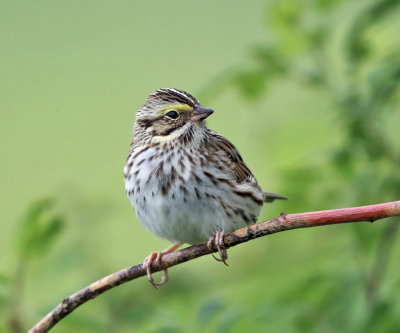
x,y
217,241
157,257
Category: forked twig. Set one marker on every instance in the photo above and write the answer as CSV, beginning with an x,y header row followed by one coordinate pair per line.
x,y
281,223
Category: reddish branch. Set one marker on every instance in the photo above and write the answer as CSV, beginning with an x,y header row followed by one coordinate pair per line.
x,y
280,223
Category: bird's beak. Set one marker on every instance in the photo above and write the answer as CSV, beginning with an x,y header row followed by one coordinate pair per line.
x,y
200,113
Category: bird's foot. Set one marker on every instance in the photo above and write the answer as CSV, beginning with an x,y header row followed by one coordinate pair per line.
x,y
154,256
157,257
218,241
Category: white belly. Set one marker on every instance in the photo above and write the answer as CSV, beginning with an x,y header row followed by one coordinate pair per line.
x,y
183,208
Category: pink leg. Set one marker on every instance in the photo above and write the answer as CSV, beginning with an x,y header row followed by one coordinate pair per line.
x,y
157,256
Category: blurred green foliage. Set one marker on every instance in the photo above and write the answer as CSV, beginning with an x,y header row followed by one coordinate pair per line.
x,y
363,84
37,231
335,65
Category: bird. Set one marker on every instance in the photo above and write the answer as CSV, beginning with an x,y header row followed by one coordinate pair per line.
x,y
185,182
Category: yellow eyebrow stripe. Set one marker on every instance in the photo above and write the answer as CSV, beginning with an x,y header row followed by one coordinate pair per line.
x,y
177,107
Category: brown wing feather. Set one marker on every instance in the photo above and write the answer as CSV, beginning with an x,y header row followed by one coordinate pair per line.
x,y
239,168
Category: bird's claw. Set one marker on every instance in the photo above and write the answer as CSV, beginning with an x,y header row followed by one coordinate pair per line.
x,y
157,256
218,241
154,256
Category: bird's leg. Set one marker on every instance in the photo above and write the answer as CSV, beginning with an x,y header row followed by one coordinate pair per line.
x,y
156,256
218,241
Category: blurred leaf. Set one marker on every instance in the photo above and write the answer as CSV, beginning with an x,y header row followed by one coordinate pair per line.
x,y
166,322
209,310
384,319
343,161
356,44
38,230
328,4
123,307
4,299
300,183
167,329
384,81
5,288
365,237
286,14
228,320
392,185
269,59
317,37
4,279
251,84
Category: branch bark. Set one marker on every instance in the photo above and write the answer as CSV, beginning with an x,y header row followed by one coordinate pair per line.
x,y
281,223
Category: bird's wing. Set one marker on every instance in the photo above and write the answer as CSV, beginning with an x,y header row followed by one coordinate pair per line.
x,y
235,162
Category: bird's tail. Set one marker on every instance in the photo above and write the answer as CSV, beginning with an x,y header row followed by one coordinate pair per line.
x,y
269,197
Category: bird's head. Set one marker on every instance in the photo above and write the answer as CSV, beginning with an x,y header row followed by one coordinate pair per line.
x,y
170,114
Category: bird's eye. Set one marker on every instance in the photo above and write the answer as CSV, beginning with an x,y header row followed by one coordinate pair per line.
x,y
172,114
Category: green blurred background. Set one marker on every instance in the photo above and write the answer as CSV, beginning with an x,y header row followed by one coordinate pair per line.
x,y
307,90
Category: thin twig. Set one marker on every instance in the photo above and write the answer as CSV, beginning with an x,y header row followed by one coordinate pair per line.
x,y
280,223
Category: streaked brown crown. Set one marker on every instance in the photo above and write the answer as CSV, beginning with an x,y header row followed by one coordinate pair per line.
x,y
172,95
